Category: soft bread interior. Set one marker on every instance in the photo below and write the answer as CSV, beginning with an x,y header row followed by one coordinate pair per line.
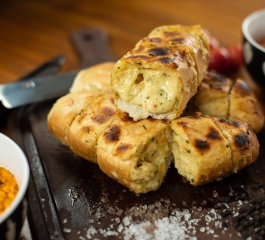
x,y
136,154
93,79
201,152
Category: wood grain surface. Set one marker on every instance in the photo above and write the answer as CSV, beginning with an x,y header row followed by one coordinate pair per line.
x,y
33,31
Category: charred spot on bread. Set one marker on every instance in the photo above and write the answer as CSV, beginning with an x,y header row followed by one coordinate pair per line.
x,y
113,134
103,115
86,129
168,61
213,134
123,147
242,88
216,76
202,144
158,51
241,140
183,124
230,122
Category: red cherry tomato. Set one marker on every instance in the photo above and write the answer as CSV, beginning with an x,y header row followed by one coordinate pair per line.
x,y
218,59
235,59
226,60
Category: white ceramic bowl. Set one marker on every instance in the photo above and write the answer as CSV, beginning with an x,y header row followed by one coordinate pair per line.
x,y
13,159
253,30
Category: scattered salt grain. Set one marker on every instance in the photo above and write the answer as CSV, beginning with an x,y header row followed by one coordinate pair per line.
x,y
126,221
90,232
67,230
215,194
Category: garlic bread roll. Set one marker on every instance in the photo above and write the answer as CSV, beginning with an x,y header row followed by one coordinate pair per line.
x,y
245,107
136,154
212,97
89,124
207,148
159,76
95,78
201,153
242,140
219,96
63,113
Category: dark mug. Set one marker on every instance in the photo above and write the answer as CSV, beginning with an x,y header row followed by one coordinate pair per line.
x,y
253,30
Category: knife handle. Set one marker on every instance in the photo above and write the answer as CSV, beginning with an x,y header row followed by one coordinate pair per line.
x,y
92,46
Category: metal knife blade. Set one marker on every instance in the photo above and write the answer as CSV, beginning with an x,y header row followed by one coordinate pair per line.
x,y
35,89
46,69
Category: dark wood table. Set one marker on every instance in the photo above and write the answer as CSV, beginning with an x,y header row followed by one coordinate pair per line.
x,y
34,31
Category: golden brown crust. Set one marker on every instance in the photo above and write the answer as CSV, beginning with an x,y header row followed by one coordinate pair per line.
x,y
212,97
159,76
245,107
219,96
95,78
242,140
89,124
136,154
201,152
63,113
206,148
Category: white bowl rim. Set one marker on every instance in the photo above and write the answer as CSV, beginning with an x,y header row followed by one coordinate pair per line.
x,y
24,184
245,25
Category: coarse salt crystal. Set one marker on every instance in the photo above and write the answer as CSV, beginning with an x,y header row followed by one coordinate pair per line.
x,y
90,232
67,230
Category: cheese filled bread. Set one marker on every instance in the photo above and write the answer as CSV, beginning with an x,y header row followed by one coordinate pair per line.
x,y
161,73
219,96
207,148
136,154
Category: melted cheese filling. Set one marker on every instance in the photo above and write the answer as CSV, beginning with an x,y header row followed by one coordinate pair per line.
x,y
155,91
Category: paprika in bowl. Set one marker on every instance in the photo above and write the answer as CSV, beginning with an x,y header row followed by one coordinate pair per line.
x,y
14,179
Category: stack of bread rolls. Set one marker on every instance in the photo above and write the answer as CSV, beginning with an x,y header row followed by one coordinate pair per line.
x,y
113,114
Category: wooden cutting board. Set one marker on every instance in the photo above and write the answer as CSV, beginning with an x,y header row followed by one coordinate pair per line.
x,y
70,198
